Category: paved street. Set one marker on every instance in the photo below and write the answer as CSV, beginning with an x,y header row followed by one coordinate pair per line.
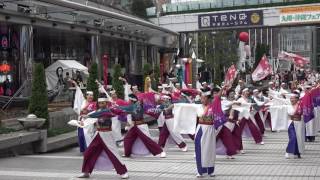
x,y
260,162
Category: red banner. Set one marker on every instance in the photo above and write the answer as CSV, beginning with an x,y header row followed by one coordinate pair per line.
x,y
230,76
105,60
295,58
263,69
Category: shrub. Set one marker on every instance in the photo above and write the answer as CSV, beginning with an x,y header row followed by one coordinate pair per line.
x,y
38,104
117,85
91,84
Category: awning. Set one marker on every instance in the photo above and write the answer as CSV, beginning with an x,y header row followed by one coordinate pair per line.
x,y
102,18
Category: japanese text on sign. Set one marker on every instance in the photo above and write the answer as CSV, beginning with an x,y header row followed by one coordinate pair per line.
x,y
230,19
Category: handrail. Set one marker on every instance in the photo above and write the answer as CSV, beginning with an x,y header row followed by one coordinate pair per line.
x,y
4,107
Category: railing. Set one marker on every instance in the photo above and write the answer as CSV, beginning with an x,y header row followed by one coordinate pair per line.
x,y
19,91
207,5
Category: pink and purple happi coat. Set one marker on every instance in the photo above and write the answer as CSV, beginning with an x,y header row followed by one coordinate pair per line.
x,y
149,104
307,107
218,115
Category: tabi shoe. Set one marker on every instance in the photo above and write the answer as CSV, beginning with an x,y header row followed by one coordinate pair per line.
x,y
242,152
297,157
199,176
185,149
230,157
212,175
120,144
84,175
125,176
163,154
262,143
287,156
123,155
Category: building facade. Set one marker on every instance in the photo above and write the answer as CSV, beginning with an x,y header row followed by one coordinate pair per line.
x,y
45,31
283,25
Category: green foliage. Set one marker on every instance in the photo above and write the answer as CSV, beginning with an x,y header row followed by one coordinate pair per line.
x,y
146,70
218,49
59,131
139,7
261,49
38,104
91,84
156,76
4,130
116,83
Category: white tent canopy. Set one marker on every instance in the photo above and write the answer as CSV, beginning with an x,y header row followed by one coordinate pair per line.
x,y
70,66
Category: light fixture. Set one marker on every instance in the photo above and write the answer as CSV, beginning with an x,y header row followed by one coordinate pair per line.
x,y
5,67
2,5
97,22
24,9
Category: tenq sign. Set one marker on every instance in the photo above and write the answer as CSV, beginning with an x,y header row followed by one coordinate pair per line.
x,y
230,19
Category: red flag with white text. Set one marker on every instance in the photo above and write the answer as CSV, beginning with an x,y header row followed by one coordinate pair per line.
x,y
262,70
230,76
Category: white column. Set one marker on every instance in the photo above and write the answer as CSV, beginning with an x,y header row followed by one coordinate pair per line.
x,y
26,57
96,52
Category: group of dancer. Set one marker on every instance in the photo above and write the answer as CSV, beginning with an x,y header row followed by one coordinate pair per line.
x,y
224,116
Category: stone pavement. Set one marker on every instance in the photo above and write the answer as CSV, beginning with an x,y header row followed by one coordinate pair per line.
x,y
260,162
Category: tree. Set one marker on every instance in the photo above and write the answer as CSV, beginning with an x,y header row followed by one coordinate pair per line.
x,y
38,103
219,50
139,7
116,83
156,76
93,76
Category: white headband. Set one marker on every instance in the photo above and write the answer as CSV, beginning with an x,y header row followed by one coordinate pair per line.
x,y
103,99
245,89
89,93
166,97
208,93
133,99
294,95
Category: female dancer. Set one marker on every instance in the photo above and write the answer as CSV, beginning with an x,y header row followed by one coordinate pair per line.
x,y
87,106
102,153
296,128
167,129
205,137
137,140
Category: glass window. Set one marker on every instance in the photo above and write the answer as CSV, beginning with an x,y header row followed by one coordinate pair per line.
x,y
183,7
193,5
172,7
217,3
252,2
205,5
227,3
277,1
265,1
239,2
151,11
